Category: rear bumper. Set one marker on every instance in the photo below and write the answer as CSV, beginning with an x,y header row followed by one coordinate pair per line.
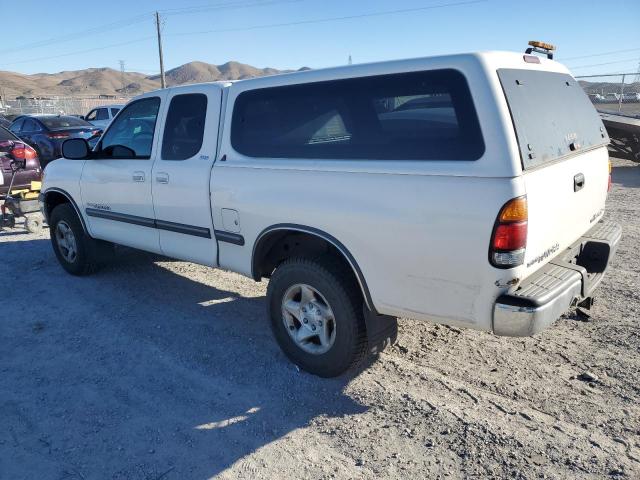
x,y
568,279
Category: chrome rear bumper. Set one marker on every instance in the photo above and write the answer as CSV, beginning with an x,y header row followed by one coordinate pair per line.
x,y
567,280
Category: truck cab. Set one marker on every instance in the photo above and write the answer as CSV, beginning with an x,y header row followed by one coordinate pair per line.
x,y
466,190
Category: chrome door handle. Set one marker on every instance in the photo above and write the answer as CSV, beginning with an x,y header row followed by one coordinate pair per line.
x,y
138,176
162,177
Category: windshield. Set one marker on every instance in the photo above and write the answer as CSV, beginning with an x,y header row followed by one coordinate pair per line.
x,y
54,123
551,114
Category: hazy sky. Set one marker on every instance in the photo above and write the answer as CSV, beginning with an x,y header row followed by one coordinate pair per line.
x,y
43,36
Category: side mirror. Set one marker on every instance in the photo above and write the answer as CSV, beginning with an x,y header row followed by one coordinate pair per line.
x,y
75,149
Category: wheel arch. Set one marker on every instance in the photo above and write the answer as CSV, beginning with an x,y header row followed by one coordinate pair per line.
x,y
56,196
270,237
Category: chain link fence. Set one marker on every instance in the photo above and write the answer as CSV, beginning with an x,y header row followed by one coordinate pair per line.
x,y
56,105
614,93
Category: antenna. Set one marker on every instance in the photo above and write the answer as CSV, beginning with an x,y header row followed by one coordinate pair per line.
x,y
123,88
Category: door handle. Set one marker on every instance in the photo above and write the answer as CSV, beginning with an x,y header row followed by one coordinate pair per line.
x,y
138,176
162,177
578,182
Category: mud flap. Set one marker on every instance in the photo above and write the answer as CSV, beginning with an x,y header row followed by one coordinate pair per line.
x,y
382,331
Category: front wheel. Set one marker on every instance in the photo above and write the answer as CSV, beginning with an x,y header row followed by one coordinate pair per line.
x,y
316,315
76,251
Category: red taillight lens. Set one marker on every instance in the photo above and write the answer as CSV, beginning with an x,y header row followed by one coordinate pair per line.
x,y
509,238
23,152
57,135
610,169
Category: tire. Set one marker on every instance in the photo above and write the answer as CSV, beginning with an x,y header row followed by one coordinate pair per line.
x,y
33,223
332,285
88,252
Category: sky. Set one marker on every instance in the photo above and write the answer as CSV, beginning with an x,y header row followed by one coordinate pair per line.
x,y
50,37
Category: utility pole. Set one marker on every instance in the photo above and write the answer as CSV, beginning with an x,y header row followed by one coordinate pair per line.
x,y
350,60
123,89
163,83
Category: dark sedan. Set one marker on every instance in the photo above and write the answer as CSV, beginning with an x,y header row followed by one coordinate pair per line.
x,y
45,133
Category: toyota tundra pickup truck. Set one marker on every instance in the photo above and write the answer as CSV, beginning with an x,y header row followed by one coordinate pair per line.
x,y
467,190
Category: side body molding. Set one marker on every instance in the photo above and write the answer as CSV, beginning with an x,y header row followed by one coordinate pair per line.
x,y
258,245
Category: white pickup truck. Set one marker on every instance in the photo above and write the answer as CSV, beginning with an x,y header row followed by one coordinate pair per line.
x,y
467,190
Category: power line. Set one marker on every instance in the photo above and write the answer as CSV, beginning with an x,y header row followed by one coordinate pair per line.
x,y
257,27
70,54
605,63
142,18
603,54
331,19
224,6
74,36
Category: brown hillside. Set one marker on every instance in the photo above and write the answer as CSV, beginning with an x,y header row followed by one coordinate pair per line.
x,y
108,81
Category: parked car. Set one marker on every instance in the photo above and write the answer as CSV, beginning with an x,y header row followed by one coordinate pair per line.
x,y
102,116
12,148
631,97
435,189
611,97
45,133
596,98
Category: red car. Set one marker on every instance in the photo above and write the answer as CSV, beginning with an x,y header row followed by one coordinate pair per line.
x,y
12,148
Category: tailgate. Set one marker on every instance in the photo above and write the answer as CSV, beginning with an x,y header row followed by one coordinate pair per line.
x,y
560,211
565,162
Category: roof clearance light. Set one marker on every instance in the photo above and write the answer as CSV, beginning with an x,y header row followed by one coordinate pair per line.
x,y
542,45
531,59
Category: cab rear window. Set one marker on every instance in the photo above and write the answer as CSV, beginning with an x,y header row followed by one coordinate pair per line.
x,y
551,114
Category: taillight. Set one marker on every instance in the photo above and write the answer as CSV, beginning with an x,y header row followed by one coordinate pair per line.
x,y
23,152
609,184
58,135
509,238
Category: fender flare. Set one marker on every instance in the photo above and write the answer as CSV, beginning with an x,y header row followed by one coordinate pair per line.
x,y
71,201
362,283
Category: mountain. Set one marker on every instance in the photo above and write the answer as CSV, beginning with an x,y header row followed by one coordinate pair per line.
x,y
108,81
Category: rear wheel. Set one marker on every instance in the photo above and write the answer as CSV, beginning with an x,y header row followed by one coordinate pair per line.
x,y
316,315
78,253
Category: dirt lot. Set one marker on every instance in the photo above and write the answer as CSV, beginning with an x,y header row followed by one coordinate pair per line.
x,y
159,369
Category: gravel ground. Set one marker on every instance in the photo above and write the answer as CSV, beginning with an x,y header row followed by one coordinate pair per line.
x,y
162,369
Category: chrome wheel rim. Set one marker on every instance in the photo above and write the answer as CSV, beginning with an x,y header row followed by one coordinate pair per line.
x,y
308,319
66,241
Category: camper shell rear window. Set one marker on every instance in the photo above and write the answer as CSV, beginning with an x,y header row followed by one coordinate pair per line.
x,y
551,114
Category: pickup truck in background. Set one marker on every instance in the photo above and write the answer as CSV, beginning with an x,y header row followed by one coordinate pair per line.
x,y
467,190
